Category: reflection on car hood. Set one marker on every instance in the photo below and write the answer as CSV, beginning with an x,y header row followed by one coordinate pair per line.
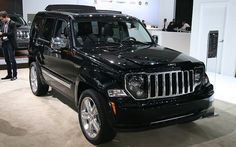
x,y
23,28
136,57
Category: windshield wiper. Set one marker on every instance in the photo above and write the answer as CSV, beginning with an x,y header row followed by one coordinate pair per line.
x,y
137,42
109,43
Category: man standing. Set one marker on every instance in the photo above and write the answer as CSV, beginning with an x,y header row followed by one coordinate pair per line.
x,y
8,36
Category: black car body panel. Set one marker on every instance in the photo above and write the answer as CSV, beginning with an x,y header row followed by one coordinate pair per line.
x,y
72,69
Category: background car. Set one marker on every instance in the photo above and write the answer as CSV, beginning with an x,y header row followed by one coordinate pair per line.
x,y
23,30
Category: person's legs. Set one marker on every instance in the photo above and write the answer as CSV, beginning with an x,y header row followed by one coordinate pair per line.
x,y
7,60
12,59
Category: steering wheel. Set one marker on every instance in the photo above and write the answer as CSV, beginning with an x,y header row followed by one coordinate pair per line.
x,y
128,38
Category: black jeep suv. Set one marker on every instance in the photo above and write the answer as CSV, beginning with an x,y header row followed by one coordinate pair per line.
x,y
23,31
111,68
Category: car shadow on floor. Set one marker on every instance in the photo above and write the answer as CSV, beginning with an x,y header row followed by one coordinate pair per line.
x,y
8,129
63,99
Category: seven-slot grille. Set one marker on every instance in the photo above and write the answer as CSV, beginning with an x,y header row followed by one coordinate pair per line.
x,y
23,34
168,84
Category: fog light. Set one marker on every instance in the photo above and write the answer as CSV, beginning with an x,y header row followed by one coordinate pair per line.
x,y
116,93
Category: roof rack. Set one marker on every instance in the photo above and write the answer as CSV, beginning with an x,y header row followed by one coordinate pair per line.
x,y
109,11
71,8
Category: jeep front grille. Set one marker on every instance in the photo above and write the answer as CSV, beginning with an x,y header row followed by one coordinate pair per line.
x,y
168,84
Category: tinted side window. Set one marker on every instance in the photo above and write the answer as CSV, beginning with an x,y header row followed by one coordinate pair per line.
x,y
60,29
37,27
48,29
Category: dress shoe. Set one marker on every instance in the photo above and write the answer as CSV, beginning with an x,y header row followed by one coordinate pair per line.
x,y
13,79
7,77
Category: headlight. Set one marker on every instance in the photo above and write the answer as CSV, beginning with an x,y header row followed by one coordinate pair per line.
x,y
137,85
198,75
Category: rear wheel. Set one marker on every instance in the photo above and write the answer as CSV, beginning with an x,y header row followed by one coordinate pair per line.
x,y
37,86
92,117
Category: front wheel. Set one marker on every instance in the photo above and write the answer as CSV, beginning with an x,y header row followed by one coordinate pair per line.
x,y
92,117
37,86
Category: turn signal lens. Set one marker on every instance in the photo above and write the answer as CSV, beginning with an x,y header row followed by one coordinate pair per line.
x,y
113,105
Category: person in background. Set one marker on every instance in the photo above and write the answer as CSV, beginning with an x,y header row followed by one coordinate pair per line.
x,y
8,36
185,26
144,23
165,24
172,25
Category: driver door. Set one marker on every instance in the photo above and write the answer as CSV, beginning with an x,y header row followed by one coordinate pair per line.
x,y
61,59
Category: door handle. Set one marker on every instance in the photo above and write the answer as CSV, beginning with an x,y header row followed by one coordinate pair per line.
x,y
221,41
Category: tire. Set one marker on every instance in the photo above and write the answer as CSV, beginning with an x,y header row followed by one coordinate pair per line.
x,y
37,86
94,123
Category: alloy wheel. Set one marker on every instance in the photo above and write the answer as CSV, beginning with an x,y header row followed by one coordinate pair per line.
x,y
90,117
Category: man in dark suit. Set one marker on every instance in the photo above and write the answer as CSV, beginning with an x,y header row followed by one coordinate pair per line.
x,y
8,36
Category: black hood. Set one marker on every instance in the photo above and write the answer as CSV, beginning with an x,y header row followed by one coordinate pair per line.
x,y
23,28
138,57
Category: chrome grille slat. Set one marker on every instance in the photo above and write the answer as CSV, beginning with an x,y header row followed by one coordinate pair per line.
x,y
163,84
171,86
183,90
188,87
177,83
156,84
149,85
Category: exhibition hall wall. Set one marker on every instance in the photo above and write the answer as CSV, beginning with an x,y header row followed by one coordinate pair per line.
x,y
34,6
152,11
215,15
11,6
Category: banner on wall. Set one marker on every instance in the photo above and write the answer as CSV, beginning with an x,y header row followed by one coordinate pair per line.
x,y
132,2
142,9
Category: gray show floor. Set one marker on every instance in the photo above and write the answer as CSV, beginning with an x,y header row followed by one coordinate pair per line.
x,y
29,121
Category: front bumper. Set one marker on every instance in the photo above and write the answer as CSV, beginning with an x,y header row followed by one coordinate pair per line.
x,y
165,111
22,44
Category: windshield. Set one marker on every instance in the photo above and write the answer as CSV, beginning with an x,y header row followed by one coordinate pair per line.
x,y
18,20
107,31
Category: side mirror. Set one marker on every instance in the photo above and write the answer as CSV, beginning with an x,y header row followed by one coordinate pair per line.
x,y
155,38
58,43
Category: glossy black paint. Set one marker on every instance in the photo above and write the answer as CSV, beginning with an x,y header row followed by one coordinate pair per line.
x,y
105,67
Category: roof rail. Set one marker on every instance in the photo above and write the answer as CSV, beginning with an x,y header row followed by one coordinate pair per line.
x,y
109,11
71,8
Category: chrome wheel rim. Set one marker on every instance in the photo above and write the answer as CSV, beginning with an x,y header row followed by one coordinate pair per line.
x,y
90,117
33,79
